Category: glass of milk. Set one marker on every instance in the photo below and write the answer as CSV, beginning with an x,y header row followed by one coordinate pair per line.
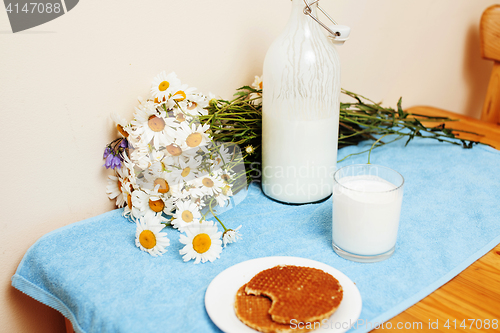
x,y
366,207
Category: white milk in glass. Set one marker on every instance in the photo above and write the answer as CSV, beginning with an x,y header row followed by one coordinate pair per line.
x,y
366,212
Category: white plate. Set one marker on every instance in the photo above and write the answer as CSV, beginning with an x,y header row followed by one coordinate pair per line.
x,y
219,298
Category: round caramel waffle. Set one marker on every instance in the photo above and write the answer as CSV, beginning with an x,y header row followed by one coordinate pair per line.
x,y
298,294
253,311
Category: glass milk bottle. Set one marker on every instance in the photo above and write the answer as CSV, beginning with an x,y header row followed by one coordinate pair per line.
x,y
300,121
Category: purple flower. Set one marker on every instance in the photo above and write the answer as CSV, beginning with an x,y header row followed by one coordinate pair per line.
x,y
117,162
109,160
107,151
113,161
124,143
113,153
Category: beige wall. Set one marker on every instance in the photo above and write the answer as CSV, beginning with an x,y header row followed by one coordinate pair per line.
x,y
60,81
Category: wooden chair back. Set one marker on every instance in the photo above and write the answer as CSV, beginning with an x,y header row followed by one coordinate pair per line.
x,y
490,49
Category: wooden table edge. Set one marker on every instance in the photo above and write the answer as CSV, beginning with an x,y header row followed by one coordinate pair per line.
x,y
472,298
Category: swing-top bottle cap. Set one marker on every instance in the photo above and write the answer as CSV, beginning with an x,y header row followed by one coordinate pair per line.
x,y
341,33
338,34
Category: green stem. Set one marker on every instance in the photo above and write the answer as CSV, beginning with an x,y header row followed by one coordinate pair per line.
x,y
378,140
213,214
367,150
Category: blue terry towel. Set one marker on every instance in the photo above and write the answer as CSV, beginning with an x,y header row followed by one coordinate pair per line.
x,y
94,275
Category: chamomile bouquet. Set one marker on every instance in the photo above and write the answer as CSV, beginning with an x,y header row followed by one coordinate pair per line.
x,y
168,171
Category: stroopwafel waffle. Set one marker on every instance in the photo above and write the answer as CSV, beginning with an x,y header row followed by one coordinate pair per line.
x,y
302,294
253,311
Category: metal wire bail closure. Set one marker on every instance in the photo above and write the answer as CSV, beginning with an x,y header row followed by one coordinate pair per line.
x,y
338,33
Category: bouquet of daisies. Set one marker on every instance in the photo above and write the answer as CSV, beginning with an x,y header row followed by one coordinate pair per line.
x,y
169,172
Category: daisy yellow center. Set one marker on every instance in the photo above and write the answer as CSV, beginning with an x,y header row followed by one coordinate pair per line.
x,y
225,177
185,172
156,206
163,86
174,150
156,123
180,117
187,216
192,106
202,243
260,85
207,182
147,239
129,201
181,94
193,139
121,130
163,185
225,189
120,186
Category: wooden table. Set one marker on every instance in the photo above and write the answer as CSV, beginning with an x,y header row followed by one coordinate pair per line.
x,y
474,293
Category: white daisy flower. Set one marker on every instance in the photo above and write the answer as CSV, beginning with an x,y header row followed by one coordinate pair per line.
x,y
145,201
164,85
152,126
128,165
193,190
134,140
192,137
209,185
181,116
196,104
221,156
185,171
190,104
186,213
231,236
140,156
173,149
183,95
223,197
155,177
224,175
156,168
257,84
148,236
203,242
122,125
175,155
114,189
